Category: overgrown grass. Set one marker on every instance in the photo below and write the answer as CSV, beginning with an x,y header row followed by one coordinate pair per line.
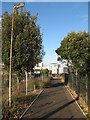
x,y
19,99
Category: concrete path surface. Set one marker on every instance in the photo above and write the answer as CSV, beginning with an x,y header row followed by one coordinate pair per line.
x,y
54,102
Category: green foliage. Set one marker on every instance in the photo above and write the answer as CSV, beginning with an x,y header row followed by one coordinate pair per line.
x,y
6,33
76,47
27,41
44,71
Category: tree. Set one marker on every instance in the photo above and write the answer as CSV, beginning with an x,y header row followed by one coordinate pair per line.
x,y
44,73
6,34
27,42
76,47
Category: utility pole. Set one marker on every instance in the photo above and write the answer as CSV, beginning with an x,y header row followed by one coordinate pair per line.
x,y
10,71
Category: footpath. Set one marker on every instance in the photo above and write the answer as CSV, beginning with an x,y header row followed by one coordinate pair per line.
x,y
54,102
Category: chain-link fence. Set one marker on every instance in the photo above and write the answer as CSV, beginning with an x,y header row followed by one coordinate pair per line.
x,y
80,84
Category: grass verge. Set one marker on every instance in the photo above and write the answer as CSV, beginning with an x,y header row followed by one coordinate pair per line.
x,y
81,102
19,100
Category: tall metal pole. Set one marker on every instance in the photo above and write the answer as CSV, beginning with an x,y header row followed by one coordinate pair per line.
x,y
10,72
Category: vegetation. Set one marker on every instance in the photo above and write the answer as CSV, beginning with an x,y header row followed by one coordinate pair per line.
x,y
27,42
19,100
44,72
27,52
76,47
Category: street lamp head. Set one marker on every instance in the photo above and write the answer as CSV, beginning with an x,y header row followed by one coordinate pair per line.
x,y
19,5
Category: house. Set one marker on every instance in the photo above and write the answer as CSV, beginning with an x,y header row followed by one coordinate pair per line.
x,y
53,68
63,67
37,68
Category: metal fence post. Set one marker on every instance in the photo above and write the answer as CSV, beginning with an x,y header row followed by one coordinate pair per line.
x,y
78,83
88,90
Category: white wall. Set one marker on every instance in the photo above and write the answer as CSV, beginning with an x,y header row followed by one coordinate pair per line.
x,y
53,67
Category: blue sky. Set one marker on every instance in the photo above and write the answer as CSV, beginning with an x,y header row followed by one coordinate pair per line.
x,y
56,20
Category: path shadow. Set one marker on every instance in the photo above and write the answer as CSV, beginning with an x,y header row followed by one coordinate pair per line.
x,y
58,109
58,84
55,85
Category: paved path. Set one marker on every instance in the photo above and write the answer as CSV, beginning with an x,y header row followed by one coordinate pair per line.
x,y
54,102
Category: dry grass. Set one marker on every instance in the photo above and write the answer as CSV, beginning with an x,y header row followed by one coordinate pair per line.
x,y
19,99
80,101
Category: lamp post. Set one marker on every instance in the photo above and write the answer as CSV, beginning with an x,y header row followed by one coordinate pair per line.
x,y
10,71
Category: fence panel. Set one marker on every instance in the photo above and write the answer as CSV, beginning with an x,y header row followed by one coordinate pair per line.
x,y
79,85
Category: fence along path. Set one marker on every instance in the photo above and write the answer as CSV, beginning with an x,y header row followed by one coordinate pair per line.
x,y
81,84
